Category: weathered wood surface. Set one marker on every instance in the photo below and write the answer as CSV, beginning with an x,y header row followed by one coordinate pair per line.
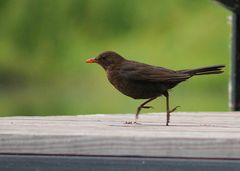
x,y
198,135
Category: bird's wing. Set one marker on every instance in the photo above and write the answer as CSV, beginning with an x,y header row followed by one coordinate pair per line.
x,y
143,72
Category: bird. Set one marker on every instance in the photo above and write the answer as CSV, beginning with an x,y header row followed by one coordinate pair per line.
x,y
143,81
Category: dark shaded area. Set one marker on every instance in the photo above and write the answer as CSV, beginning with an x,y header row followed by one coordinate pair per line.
x,y
234,5
235,94
58,163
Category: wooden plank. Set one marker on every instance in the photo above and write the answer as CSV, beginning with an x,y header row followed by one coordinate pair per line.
x,y
78,163
198,135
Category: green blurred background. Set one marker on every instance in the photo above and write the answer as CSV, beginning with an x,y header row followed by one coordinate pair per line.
x,y
44,45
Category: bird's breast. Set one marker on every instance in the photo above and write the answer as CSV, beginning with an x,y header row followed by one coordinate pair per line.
x,y
117,81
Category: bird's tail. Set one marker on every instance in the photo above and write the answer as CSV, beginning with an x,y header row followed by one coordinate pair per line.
x,y
216,69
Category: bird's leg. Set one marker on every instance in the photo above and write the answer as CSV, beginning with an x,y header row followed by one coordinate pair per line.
x,y
168,108
167,105
139,109
143,106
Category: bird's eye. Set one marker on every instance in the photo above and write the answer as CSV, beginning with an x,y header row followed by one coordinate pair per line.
x,y
104,58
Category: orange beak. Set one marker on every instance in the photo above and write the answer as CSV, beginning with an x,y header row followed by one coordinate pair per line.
x,y
91,61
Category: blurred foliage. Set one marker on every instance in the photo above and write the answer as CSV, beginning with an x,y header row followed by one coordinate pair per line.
x,y
44,45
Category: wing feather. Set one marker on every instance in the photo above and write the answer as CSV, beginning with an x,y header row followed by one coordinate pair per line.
x,y
142,72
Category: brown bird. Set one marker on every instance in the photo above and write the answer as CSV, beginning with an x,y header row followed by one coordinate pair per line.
x,y
143,81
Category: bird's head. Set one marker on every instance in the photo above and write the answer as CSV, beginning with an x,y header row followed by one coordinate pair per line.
x,y
107,59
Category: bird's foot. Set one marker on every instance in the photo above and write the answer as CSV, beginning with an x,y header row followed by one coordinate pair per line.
x,y
132,122
168,114
147,107
174,109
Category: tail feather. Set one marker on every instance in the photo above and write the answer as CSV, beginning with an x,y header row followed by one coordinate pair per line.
x,y
216,69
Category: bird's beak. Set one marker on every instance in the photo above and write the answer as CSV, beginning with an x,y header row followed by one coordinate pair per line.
x,y
91,60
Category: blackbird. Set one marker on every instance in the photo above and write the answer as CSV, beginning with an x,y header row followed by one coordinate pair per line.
x,y
143,81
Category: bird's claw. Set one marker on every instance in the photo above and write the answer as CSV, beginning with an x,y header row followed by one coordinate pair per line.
x,y
132,122
174,109
147,107
168,118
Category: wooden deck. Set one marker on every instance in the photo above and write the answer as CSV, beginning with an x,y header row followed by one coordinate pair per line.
x,y
190,135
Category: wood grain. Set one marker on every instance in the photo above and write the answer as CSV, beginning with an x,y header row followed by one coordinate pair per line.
x,y
197,135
